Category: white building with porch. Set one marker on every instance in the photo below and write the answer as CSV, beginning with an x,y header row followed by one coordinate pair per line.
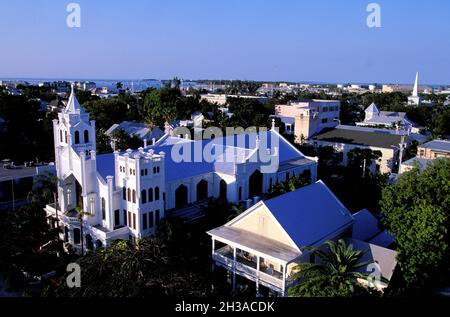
x,y
265,243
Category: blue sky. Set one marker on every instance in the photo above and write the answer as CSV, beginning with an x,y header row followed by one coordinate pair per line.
x,y
292,40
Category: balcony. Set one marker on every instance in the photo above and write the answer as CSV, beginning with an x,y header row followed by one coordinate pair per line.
x,y
246,265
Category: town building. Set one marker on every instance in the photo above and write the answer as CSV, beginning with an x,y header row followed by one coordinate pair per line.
x,y
123,195
387,119
420,163
16,182
346,138
310,116
223,99
138,129
434,149
426,154
89,85
265,243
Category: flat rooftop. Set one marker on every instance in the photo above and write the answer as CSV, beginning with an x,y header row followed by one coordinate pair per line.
x,y
359,137
16,172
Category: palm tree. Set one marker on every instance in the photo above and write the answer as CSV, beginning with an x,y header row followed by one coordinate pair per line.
x,y
43,191
44,188
336,275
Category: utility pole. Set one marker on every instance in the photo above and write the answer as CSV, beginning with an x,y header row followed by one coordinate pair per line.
x,y
402,144
364,168
13,199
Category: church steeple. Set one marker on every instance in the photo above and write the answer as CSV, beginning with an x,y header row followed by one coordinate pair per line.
x,y
415,92
73,106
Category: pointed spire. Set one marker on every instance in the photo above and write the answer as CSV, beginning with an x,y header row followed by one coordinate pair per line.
x,y
415,92
73,106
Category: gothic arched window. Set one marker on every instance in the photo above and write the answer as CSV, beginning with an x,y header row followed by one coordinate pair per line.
x,y
150,194
129,194
144,196
134,196
103,209
86,136
156,193
77,137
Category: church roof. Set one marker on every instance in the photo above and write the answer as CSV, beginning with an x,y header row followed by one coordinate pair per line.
x,y
244,146
73,106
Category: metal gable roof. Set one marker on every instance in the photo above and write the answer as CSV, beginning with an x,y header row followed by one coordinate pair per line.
x,y
309,214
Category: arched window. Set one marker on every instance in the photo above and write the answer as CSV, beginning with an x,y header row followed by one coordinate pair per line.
x,y
134,196
240,193
154,170
150,194
223,189
103,209
92,205
77,137
76,236
144,196
157,169
129,194
124,192
60,136
66,234
86,136
181,196
65,133
156,193
69,196
89,242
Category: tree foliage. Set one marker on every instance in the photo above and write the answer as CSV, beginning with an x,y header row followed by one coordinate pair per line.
x,y
290,185
124,141
417,212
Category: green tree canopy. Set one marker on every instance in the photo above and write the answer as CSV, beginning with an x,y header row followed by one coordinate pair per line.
x,y
417,212
161,104
125,141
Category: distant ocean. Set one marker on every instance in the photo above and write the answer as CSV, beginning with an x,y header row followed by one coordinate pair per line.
x,y
136,85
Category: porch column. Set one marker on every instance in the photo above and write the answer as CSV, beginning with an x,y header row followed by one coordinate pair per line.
x,y
257,274
213,243
234,268
284,279
212,264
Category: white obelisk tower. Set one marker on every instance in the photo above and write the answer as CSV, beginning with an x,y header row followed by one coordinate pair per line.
x,y
415,99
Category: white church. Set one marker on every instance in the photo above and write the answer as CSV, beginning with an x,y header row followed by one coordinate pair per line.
x,y
124,195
